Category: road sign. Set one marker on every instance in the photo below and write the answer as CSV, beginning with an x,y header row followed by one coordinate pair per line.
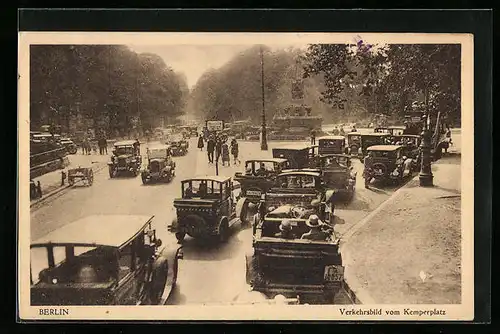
x,y
215,125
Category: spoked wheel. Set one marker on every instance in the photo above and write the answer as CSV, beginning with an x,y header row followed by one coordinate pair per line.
x,y
112,173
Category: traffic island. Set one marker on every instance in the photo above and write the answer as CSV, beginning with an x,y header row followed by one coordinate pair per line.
x,y
408,251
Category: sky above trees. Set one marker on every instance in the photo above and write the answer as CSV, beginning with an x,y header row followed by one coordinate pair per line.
x,y
194,60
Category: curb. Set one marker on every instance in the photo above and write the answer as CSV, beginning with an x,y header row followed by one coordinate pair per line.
x,y
58,190
354,289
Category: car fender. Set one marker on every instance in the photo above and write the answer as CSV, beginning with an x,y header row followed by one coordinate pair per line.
x,y
173,225
223,220
242,208
110,164
329,195
159,273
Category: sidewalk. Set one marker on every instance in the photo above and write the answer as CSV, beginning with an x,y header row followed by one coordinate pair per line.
x,y
51,182
409,250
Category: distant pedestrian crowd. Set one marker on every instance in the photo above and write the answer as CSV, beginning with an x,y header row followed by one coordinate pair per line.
x,y
90,145
219,148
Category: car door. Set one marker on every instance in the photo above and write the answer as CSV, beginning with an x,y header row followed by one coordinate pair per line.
x,y
127,289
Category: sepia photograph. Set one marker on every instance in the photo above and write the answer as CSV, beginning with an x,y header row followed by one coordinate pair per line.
x,y
246,176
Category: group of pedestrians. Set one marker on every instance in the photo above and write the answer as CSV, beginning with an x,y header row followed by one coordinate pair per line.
x,y
88,145
218,147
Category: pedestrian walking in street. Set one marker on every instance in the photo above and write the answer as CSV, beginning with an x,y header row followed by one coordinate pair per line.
x,y
367,172
200,143
235,151
218,148
101,143
225,154
342,132
336,131
210,149
313,137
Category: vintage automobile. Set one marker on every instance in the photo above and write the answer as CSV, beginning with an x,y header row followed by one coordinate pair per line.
x,y
410,143
126,158
85,175
389,164
381,129
160,165
259,176
70,146
207,209
339,174
300,188
359,142
396,130
331,145
310,271
298,155
178,145
103,260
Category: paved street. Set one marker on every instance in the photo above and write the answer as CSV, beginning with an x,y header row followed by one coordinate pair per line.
x,y
207,273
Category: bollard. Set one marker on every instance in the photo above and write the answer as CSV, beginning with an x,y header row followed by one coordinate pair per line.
x,y
63,177
39,189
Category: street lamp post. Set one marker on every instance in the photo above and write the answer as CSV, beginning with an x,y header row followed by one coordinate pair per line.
x,y
425,176
263,142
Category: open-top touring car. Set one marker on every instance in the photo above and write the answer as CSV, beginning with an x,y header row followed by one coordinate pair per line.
x,y
310,270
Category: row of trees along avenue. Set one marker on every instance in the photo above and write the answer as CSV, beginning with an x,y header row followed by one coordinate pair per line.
x,y
107,87
117,90
392,79
341,82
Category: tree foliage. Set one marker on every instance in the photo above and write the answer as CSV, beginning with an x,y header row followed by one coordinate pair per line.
x,y
389,78
234,91
110,85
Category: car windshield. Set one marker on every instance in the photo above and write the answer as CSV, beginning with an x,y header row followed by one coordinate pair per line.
x,y
354,137
373,140
157,153
383,154
297,181
260,167
124,150
201,189
176,138
331,143
88,265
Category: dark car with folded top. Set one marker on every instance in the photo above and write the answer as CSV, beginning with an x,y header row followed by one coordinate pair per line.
x,y
103,260
207,209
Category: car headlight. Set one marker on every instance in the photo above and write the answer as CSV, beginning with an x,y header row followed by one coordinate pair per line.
x,y
395,172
